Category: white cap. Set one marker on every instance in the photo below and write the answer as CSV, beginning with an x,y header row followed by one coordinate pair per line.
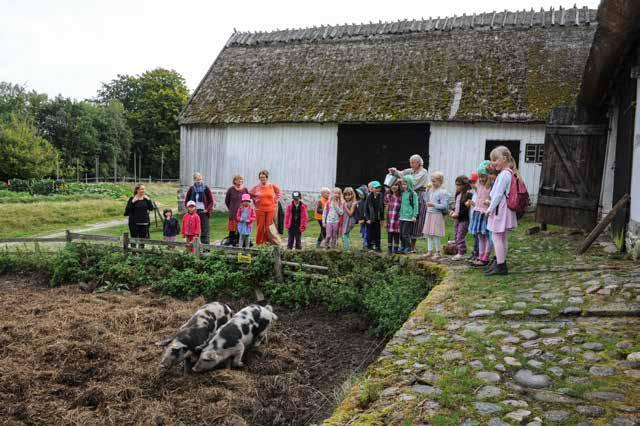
x,y
191,203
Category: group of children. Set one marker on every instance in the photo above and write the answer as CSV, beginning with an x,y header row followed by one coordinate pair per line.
x,y
338,212
479,208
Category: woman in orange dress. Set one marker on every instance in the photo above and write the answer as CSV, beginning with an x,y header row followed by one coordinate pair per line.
x,y
265,196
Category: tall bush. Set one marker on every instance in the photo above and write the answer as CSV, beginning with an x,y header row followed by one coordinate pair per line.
x,y
23,153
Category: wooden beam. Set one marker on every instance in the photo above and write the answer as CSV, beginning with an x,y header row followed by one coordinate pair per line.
x,y
88,237
306,266
575,203
576,130
603,224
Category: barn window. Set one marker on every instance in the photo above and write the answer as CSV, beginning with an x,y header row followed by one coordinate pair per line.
x,y
534,152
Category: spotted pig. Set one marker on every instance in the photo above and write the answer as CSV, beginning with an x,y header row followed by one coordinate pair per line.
x,y
193,334
247,328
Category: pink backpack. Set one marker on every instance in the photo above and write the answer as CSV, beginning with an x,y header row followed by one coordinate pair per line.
x,y
518,197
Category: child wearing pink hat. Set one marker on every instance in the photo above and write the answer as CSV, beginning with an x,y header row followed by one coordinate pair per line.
x,y
245,217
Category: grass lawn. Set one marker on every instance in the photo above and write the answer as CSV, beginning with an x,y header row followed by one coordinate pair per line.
x,y
20,219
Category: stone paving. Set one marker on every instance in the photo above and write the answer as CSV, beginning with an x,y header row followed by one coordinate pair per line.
x,y
554,343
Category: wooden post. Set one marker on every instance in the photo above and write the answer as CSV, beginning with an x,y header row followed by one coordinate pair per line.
x,y
543,226
277,264
68,235
196,246
603,224
125,242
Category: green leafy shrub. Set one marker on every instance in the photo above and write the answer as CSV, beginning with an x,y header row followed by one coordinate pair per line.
x,y
19,185
381,289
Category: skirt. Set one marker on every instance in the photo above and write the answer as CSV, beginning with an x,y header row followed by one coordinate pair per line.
x,y
478,224
434,225
503,219
418,227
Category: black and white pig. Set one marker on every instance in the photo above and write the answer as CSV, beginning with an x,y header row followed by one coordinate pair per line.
x,y
193,334
247,328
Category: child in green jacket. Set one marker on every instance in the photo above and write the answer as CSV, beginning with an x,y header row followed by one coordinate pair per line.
x,y
408,213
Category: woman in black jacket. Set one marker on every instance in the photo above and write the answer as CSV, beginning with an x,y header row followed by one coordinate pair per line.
x,y
138,208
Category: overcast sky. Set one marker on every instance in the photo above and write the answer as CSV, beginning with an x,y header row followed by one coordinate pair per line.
x,y
70,46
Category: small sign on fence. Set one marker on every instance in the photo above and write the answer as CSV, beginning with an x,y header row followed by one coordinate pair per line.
x,y
244,258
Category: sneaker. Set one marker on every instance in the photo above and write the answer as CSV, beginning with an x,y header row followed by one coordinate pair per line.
x,y
427,255
457,257
478,263
436,256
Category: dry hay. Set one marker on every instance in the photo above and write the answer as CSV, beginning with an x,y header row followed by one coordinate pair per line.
x,y
68,357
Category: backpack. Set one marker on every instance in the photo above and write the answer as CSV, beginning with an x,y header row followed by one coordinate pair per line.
x,y
518,196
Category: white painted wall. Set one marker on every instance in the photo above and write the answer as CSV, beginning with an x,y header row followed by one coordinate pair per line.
x,y
303,156
298,156
606,194
457,148
635,168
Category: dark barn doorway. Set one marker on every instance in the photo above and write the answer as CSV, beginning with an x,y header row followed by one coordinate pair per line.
x,y
514,147
366,151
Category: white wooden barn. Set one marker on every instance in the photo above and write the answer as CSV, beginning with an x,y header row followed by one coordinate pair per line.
x,y
337,105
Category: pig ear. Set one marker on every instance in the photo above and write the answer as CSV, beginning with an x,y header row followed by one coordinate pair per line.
x,y
165,342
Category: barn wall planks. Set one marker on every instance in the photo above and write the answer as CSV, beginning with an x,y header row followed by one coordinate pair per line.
x,y
458,148
606,194
303,156
298,156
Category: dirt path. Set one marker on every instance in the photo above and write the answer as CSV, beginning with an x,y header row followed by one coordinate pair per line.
x,y
89,228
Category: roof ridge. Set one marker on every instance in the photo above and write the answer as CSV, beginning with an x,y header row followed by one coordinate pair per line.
x,y
492,20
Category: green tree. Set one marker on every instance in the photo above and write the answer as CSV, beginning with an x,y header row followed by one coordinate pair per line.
x,y
152,103
84,131
24,153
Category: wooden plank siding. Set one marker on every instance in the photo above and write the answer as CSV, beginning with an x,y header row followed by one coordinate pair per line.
x,y
458,148
304,156
299,156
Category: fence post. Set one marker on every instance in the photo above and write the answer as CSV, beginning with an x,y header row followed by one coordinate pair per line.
x,y
277,264
68,235
125,242
196,246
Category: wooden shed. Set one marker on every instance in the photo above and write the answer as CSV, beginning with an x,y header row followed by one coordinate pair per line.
x,y
597,160
337,105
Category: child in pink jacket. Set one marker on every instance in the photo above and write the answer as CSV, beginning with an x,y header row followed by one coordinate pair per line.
x,y
245,217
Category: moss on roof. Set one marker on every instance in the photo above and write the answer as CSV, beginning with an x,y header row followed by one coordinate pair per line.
x,y
511,73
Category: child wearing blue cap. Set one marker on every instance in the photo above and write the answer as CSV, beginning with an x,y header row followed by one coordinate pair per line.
x,y
374,215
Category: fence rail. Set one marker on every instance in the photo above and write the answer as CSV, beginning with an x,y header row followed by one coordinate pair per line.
x,y
137,245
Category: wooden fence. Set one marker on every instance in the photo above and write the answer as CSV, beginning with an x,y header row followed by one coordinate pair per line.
x,y
281,268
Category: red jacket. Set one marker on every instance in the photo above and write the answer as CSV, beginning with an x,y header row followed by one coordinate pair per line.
x,y
252,214
191,224
208,198
304,216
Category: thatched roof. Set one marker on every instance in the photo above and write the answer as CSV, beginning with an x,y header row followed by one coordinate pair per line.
x,y
618,30
508,66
